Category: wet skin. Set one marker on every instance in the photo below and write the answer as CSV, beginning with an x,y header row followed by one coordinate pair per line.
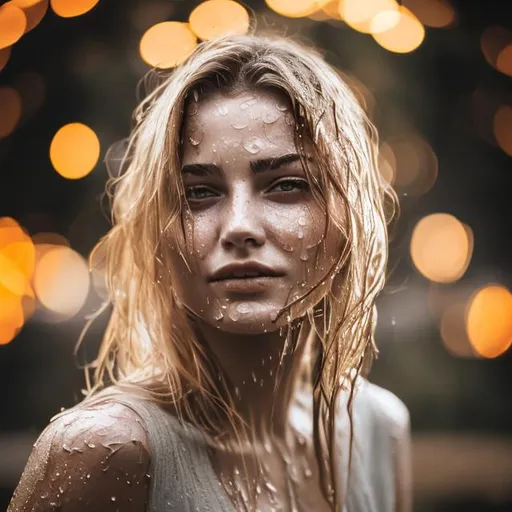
x,y
249,201
99,458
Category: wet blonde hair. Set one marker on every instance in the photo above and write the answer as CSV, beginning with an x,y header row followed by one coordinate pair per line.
x,y
150,343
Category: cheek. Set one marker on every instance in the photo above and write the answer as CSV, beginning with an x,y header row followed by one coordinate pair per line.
x,y
298,230
201,235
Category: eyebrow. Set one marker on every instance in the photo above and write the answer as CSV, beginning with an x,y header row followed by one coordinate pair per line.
x,y
257,166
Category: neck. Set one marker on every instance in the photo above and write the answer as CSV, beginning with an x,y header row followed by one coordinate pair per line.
x,y
261,376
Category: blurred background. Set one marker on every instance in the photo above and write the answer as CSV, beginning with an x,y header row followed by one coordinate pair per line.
x,y
433,75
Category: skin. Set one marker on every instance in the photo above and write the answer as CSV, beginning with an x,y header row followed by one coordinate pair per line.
x,y
81,462
238,215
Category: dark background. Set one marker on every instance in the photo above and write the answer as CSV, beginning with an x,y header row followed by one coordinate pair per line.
x,y
460,407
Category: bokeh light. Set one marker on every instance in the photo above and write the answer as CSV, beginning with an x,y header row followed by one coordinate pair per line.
x,y
72,8
453,330
11,315
296,8
34,11
359,15
503,128
50,238
74,150
415,164
432,13
405,34
504,60
167,44
17,259
493,41
5,53
10,107
217,18
61,281
13,23
440,248
26,4
489,320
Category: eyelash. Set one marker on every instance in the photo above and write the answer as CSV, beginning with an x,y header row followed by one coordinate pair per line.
x,y
299,184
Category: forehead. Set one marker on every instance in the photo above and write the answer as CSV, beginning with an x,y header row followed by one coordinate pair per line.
x,y
252,124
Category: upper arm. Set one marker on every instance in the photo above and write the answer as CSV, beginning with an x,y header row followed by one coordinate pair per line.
x,y
393,413
88,459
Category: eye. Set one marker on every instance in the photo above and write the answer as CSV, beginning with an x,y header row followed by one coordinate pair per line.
x,y
198,193
290,185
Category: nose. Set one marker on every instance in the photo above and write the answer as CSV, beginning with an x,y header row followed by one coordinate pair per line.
x,y
241,222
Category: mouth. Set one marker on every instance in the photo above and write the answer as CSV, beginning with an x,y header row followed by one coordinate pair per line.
x,y
245,284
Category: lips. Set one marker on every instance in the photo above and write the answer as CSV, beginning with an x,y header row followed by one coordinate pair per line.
x,y
247,270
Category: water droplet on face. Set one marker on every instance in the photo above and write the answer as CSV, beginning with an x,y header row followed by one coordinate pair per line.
x,y
218,316
253,377
234,315
302,221
237,393
308,473
282,107
300,235
304,256
273,316
193,109
222,110
88,475
113,498
248,103
253,145
196,138
287,248
243,308
239,126
270,117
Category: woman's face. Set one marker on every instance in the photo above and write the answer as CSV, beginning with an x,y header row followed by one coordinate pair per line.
x,y
252,214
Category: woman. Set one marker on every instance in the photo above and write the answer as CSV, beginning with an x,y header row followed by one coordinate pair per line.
x,y
248,247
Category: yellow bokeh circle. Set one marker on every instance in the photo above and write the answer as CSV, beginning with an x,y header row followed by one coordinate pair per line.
x,y
296,8
72,8
405,33
61,280
74,150
489,320
167,44
440,248
217,18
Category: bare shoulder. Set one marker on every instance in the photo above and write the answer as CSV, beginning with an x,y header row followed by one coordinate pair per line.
x,y
384,406
89,457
